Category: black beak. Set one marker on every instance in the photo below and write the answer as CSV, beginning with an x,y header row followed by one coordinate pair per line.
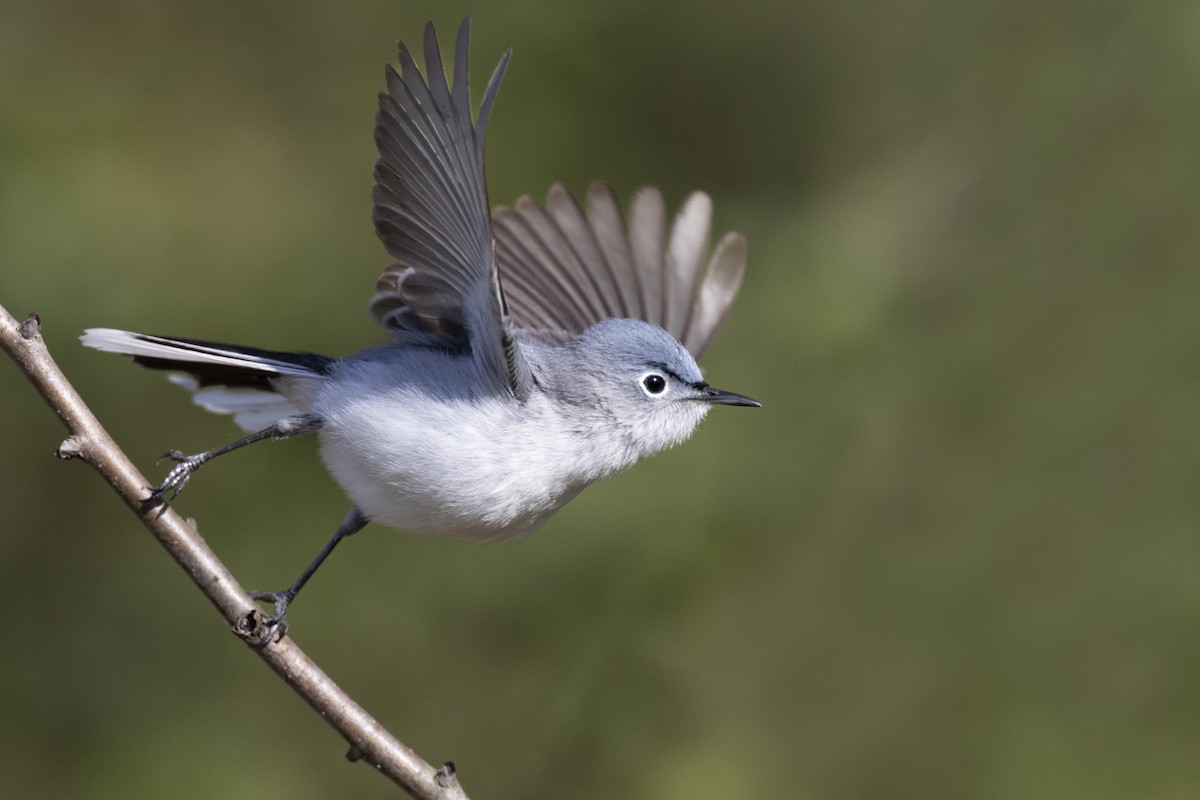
x,y
717,397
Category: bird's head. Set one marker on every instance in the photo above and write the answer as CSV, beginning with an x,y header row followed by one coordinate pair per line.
x,y
645,381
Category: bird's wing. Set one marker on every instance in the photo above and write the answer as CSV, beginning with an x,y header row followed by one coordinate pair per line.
x,y
565,270
431,212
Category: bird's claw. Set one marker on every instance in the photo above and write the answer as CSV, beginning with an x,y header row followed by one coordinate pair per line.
x,y
178,477
276,624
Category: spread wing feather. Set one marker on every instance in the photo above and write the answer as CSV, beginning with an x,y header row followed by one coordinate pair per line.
x,y
431,213
565,270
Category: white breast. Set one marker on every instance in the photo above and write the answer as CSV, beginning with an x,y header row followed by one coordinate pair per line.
x,y
415,454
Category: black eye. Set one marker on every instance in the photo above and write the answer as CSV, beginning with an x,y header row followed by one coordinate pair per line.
x,y
654,383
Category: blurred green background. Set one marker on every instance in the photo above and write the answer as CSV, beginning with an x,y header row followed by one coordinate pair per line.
x,y
955,555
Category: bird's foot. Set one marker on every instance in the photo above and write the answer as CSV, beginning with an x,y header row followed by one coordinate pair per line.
x,y
276,626
178,477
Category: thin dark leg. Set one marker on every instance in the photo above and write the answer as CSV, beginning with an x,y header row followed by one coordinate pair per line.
x,y
353,523
178,477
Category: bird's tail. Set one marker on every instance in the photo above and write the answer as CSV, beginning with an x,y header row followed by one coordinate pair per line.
x,y
247,382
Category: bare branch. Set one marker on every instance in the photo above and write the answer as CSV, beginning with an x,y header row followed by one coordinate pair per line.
x,y
88,441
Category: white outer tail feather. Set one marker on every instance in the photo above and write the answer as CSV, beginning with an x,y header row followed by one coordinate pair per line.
x,y
252,409
127,343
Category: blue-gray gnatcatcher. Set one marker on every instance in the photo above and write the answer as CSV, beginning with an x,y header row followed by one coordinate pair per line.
x,y
533,352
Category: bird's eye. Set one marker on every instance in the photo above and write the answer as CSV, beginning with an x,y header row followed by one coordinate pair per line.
x,y
654,383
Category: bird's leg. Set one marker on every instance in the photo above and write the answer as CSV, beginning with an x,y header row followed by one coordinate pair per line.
x,y
354,522
178,477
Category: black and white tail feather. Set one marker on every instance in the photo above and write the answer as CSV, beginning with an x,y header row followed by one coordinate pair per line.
x,y
223,378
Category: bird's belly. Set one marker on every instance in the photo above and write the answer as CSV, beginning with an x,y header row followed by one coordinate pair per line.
x,y
453,470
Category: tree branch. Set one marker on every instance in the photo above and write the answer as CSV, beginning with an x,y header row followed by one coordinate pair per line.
x,y
87,440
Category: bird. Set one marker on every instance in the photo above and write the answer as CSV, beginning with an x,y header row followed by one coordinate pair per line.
x,y
532,351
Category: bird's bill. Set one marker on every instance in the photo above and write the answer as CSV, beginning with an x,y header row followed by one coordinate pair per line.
x,y
719,397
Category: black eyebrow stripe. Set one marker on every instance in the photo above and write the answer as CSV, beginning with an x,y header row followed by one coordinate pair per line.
x,y
697,385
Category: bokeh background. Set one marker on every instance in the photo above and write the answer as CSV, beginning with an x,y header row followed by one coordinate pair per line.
x,y
955,555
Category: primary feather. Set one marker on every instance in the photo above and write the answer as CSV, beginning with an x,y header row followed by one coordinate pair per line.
x,y
565,270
